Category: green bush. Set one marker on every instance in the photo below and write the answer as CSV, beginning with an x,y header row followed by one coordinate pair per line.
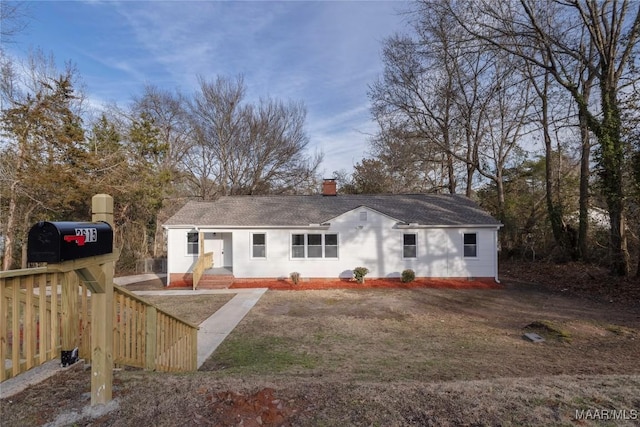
x,y
359,273
408,275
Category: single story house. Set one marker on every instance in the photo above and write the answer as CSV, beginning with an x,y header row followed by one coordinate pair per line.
x,y
328,235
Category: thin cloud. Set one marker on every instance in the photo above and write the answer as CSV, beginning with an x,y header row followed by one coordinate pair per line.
x,y
322,53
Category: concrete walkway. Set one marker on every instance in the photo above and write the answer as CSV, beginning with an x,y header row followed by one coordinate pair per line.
x,y
220,324
211,333
128,280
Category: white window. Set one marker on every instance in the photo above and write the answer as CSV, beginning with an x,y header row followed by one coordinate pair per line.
x,y
258,245
297,246
409,247
314,245
331,246
470,245
192,243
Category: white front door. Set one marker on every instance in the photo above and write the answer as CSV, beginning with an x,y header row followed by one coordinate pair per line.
x,y
213,243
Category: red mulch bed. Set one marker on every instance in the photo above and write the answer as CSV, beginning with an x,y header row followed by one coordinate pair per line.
x,y
304,285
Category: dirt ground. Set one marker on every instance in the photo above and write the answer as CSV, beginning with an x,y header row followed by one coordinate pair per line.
x,y
393,357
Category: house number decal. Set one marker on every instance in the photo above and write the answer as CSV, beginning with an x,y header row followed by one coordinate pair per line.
x,y
90,234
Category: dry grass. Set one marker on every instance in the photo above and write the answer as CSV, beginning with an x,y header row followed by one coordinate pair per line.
x,y
384,357
426,335
194,309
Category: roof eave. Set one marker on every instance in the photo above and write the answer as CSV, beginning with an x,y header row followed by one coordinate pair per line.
x,y
413,225
247,227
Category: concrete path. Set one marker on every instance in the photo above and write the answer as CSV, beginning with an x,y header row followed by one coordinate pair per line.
x,y
127,280
211,333
216,328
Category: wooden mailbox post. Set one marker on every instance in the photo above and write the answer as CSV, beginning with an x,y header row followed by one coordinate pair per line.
x,y
102,314
69,247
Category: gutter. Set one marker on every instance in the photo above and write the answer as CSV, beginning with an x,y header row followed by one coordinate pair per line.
x,y
404,225
247,227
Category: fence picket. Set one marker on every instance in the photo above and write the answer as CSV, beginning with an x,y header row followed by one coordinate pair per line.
x,y
37,313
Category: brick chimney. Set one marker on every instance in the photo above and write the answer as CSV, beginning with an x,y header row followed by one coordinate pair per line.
x,y
329,187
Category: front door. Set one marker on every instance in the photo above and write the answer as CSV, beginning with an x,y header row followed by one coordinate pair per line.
x,y
213,243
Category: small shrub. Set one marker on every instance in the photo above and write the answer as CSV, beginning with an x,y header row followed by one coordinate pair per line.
x,y
359,273
295,277
408,275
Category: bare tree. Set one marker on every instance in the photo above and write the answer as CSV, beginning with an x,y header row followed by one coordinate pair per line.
x,y
447,100
554,28
12,20
416,94
217,117
412,165
276,160
244,148
169,113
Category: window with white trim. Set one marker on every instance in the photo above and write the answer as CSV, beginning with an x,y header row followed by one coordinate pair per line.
x,y
314,245
297,246
192,243
331,246
409,246
470,245
258,245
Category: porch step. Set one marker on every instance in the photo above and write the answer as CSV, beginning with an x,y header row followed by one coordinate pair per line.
x,y
215,281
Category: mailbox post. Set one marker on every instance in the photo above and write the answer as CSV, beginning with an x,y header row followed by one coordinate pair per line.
x,y
102,316
85,248
57,242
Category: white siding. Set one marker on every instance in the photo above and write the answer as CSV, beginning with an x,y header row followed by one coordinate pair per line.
x,y
178,261
376,243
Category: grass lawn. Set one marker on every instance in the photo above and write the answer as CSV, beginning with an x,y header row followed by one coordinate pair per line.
x,y
387,357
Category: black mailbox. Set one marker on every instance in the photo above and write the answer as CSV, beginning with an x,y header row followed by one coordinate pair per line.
x,y
55,242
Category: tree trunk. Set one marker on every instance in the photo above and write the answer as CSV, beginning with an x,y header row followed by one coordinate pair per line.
x,y
10,231
585,157
612,154
553,210
618,242
638,269
450,174
501,203
470,170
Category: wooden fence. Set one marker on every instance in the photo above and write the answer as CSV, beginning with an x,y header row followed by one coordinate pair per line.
x,y
44,312
148,337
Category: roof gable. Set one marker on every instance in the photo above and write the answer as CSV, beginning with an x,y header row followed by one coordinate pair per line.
x,y
284,211
356,210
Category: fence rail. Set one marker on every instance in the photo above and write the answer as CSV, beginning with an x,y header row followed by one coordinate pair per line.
x,y
44,312
204,262
148,337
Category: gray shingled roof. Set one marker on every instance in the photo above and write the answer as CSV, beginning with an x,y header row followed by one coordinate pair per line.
x,y
239,211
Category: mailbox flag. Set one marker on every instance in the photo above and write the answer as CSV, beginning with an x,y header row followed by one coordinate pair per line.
x,y
78,239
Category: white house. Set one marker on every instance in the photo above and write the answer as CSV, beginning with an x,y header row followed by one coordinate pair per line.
x,y
328,235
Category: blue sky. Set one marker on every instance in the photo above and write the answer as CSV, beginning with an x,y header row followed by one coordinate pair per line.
x,y
322,53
